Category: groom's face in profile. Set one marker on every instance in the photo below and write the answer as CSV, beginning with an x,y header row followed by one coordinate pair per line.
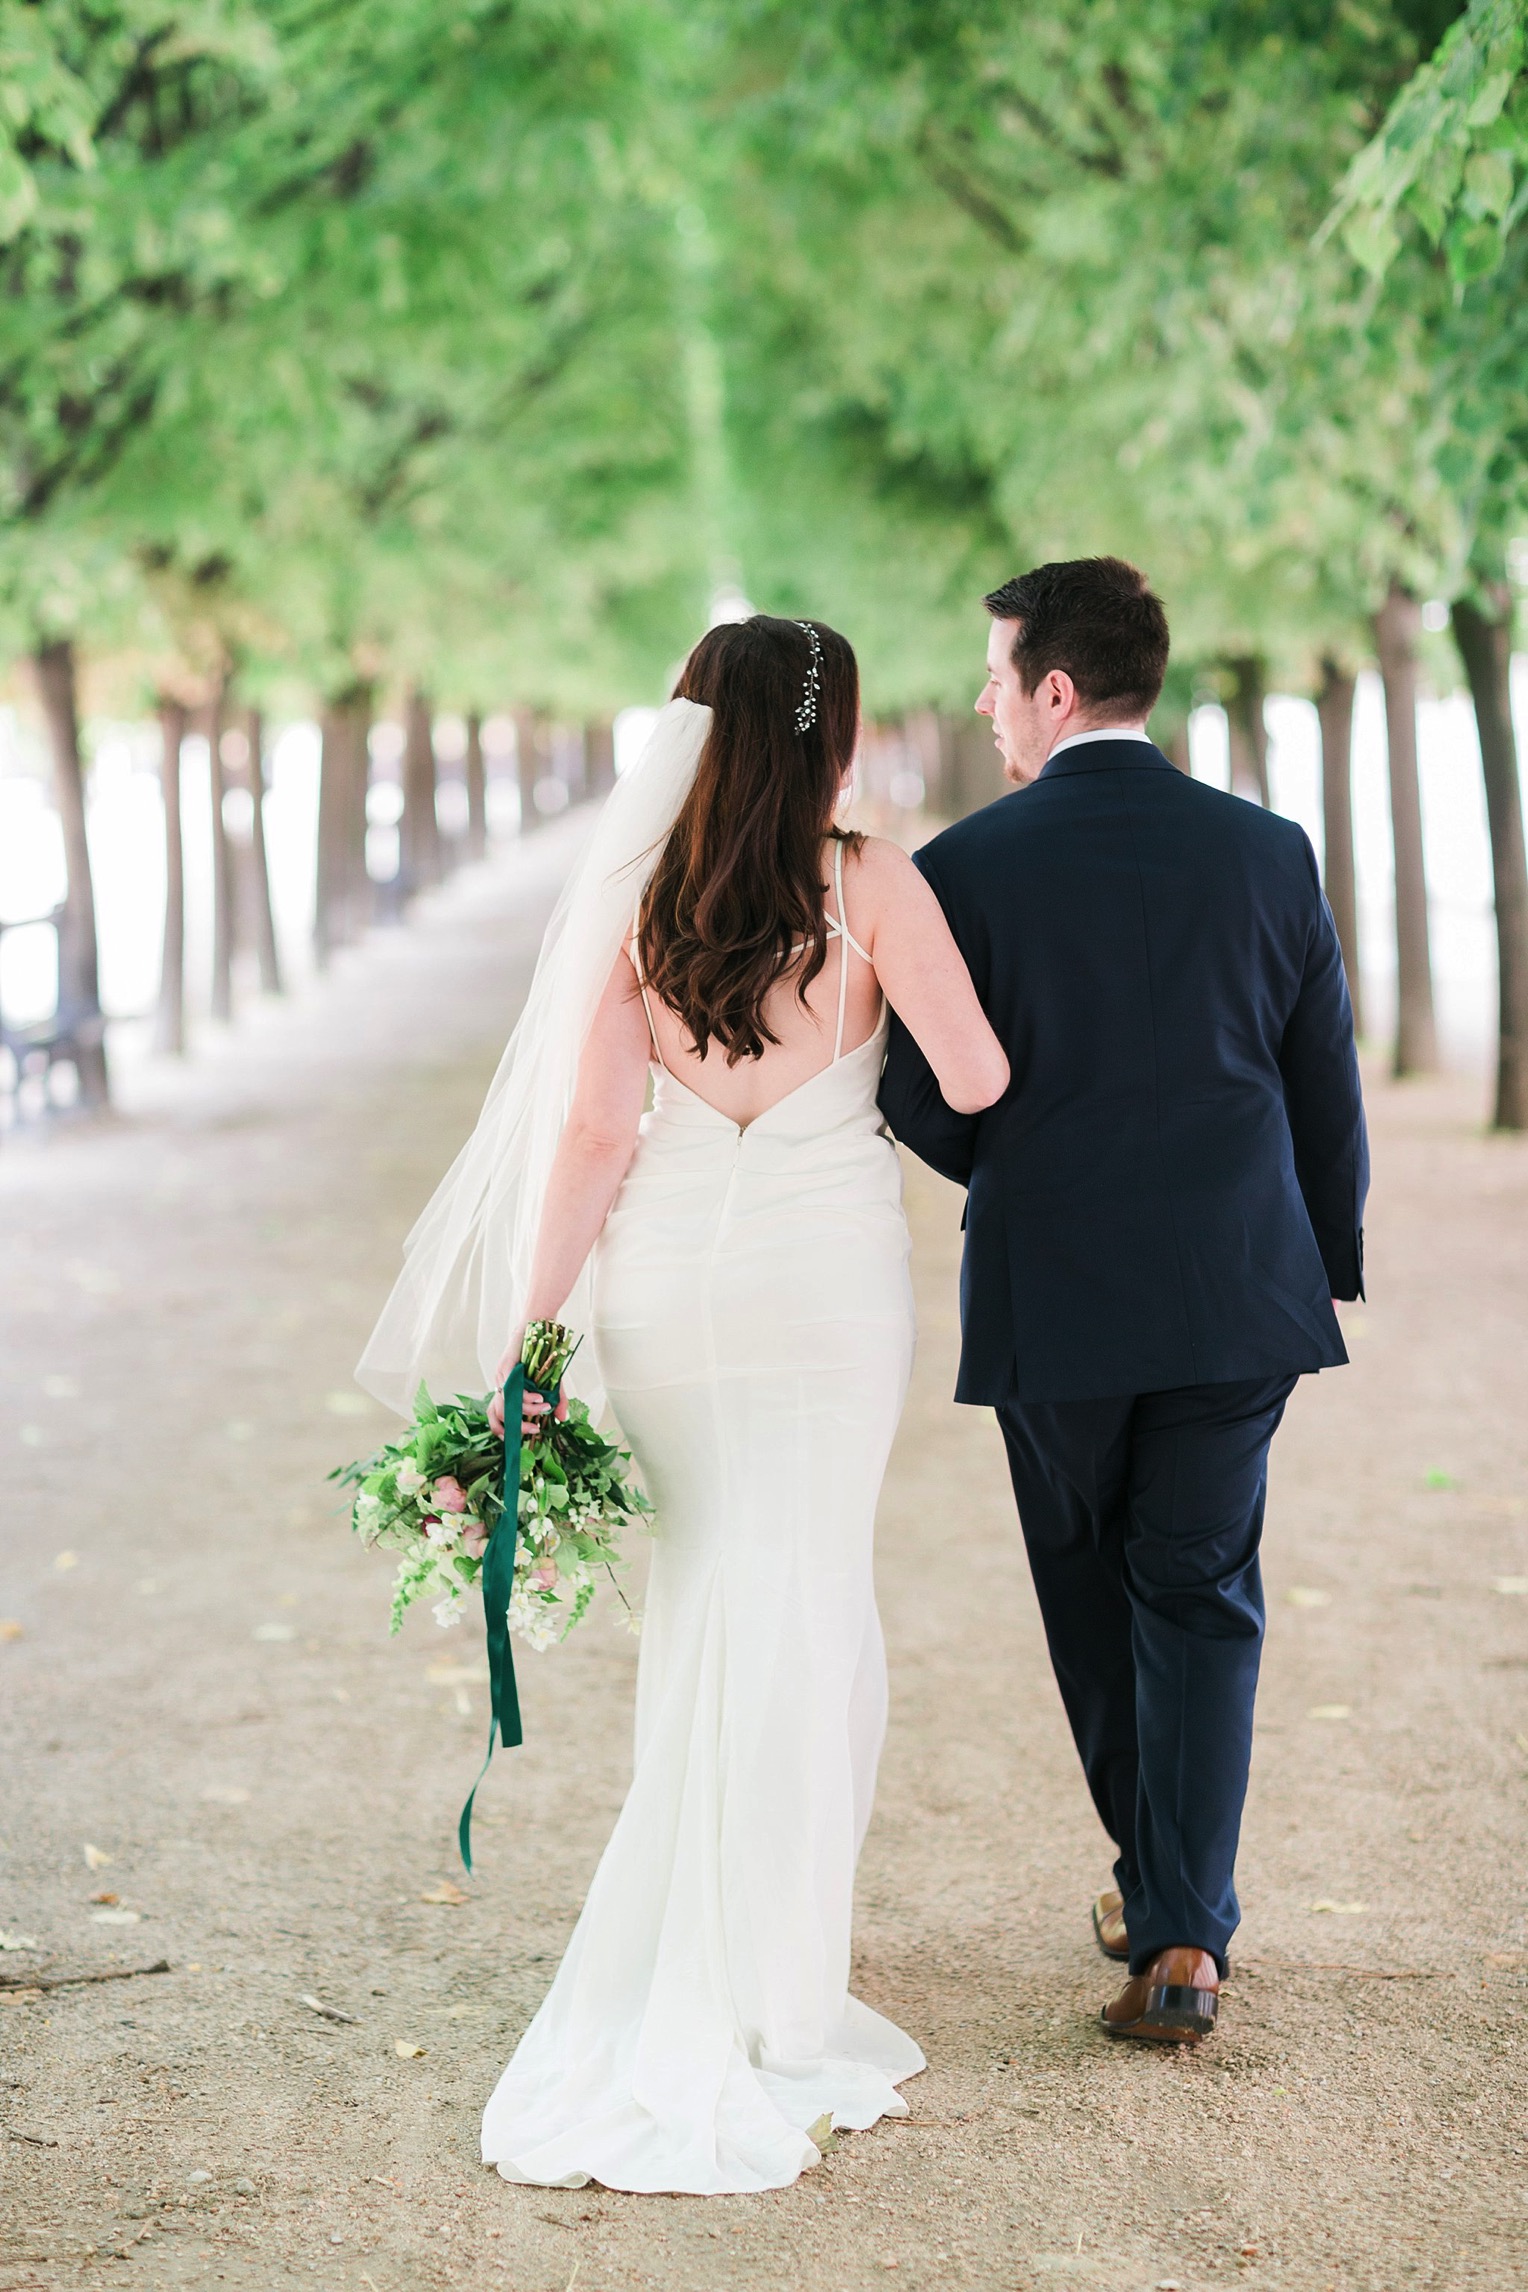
x,y
1025,725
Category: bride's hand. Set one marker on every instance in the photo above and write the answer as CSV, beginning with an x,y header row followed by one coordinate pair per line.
x,y
532,1409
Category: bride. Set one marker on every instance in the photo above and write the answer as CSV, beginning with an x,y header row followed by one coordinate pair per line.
x,y
740,1255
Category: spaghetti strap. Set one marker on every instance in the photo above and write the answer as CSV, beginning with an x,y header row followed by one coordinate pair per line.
x,y
635,951
843,948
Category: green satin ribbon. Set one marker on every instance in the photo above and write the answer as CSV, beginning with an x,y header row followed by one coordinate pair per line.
x,y
498,1580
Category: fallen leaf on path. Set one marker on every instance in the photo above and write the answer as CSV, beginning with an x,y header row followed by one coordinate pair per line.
x,y
1439,1480
448,1892
11,1629
115,1917
102,1898
275,1631
225,1794
1513,1585
820,2134
1330,1711
1341,1909
407,2052
329,2013
1306,1596
96,1858
19,1942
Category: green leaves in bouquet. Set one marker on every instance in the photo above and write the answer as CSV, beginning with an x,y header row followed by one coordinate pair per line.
x,y
446,1473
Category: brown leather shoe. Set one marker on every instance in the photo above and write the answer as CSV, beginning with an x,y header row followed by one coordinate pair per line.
x,y
1174,2002
1109,1926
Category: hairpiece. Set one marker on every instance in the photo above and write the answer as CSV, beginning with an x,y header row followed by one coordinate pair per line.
x,y
806,714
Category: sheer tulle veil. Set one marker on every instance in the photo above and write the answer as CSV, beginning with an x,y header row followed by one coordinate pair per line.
x,y
467,1260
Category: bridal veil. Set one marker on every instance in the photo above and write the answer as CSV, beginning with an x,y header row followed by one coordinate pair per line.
x,y
467,1261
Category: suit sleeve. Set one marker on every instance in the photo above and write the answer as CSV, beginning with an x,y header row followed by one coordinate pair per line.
x,y
1324,1102
910,1097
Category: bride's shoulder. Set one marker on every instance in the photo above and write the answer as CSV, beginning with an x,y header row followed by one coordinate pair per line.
x,y
876,858
877,867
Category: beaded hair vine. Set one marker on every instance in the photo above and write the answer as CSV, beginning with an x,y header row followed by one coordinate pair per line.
x,y
806,714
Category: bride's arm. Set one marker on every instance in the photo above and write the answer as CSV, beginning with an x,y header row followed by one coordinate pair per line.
x,y
924,977
592,1154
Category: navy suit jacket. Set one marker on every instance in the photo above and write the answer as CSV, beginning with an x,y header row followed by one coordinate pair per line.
x,y
1171,1190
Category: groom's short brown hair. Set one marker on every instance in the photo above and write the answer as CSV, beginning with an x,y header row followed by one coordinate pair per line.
x,y
1094,617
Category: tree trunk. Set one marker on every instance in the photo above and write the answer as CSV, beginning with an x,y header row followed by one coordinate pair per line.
x,y
574,762
477,791
599,747
264,917
529,764
1334,708
170,1014
79,968
1249,733
360,897
222,860
1485,644
1396,626
421,857
329,891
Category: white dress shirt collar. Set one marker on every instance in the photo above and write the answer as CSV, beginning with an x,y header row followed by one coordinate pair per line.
x,y
1109,732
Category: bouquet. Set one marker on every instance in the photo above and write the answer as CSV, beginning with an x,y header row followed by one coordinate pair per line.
x,y
437,1497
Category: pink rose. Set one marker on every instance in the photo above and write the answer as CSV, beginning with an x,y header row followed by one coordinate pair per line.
x,y
544,1577
449,1494
474,1539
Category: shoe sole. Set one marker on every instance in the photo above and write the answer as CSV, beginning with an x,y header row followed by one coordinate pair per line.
x,y
1173,2016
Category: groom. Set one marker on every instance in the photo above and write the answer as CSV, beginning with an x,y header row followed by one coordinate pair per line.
x,y
1160,1212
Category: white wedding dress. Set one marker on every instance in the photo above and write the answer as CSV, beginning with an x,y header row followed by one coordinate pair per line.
x,y
754,1326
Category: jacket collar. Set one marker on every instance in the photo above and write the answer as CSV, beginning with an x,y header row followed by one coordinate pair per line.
x,y
1106,756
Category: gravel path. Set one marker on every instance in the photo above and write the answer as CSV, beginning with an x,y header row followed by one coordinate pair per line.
x,y
204,1720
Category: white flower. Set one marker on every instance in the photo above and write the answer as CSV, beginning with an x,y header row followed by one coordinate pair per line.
x,y
535,1620
408,1479
441,1533
629,1619
448,1611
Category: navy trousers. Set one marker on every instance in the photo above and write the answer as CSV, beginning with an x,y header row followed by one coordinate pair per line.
x,y
1142,1517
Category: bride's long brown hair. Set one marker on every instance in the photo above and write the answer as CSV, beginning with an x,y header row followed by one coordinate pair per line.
x,y
737,899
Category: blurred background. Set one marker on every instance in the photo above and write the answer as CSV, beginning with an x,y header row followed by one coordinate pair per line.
x,y
390,395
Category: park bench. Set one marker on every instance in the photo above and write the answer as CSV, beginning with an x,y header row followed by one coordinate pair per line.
x,y
30,1053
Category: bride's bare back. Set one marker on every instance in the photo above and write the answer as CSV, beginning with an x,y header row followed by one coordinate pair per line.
x,y
899,945
839,1012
